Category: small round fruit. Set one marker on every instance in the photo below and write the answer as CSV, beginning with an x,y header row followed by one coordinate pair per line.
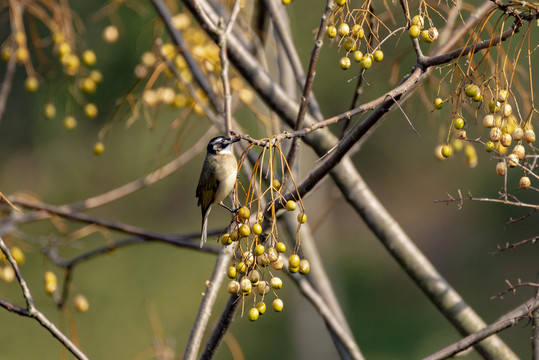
x,y
87,85
259,249
244,231
291,205
99,148
366,62
331,32
378,55
80,303
506,139
489,146
259,217
278,264
507,110
263,260
433,33
358,55
256,229
512,160
89,58
241,267
519,151
446,151
277,305
343,30
90,110
518,134
244,213
261,307
111,34
254,277
31,84
525,182
70,122
276,184
280,247
232,272
233,287
501,168
273,254
50,111
294,260
438,103
302,218
358,32
349,44
253,314
478,98
276,283
459,123
488,121
286,2
418,20
502,95
472,90
262,288
245,286
96,76
344,63
495,134
226,240
304,267
494,106
22,54
17,255
340,2
529,136
249,258
414,31
425,36
234,235
292,269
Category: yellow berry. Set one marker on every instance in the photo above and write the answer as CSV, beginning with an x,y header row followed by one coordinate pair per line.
x,y
302,218
366,62
378,55
80,303
89,57
241,267
99,148
87,85
90,110
512,160
501,168
459,123
286,2
261,307
226,240
96,76
344,29
358,55
253,314
525,182
278,264
70,122
232,272
488,121
414,31
518,134
446,151
276,283
22,55
244,213
294,260
418,21
280,247
245,286
425,36
276,184
50,110
507,110
254,277
291,205
349,44
494,106
357,31
529,136
277,305
502,95
259,249
304,267
233,287
7,274
506,139
244,231
489,146
256,229
17,254
344,63
495,134
331,32
438,103
471,90
31,84
340,2
520,151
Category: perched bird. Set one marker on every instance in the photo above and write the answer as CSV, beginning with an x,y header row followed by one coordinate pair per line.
x,y
217,178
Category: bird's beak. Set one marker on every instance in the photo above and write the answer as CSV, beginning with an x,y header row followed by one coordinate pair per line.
x,y
233,140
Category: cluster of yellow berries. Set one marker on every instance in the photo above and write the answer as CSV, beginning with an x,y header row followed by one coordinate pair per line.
x,y
250,272
7,273
417,30
350,37
80,302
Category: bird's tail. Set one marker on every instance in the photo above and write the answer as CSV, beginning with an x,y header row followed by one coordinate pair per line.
x,y
204,232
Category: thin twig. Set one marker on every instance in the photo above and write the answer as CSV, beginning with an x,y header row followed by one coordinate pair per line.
x,y
32,312
208,301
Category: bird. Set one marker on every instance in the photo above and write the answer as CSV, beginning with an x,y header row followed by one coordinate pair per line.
x,y
217,178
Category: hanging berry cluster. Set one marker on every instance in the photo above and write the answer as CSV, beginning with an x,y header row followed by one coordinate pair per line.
x,y
259,255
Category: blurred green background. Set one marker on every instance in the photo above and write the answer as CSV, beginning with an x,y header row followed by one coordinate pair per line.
x,y
147,293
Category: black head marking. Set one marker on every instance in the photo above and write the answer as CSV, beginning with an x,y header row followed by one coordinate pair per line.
x,y
219,143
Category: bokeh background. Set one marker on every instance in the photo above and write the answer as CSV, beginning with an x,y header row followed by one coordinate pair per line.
x,y
149,294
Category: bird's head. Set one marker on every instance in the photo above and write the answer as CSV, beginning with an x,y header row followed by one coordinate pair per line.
x,y
221,145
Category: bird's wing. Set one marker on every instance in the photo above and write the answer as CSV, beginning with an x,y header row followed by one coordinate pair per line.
x,y
207,186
